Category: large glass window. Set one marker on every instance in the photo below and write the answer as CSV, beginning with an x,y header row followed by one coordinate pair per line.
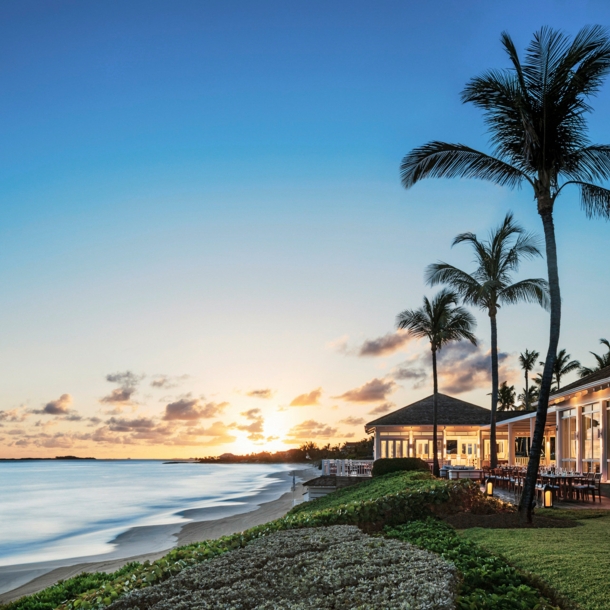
x,y
591,438
568,439
452,447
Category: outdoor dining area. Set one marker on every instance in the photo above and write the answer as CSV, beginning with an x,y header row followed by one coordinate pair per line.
x,y
551,485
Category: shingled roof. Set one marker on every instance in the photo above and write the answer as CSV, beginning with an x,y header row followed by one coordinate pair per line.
x,y
600,375
451,412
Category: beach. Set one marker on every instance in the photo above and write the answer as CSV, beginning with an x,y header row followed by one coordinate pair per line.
x,y
152,542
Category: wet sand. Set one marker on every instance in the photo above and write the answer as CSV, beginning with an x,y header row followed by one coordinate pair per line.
x,y
26,579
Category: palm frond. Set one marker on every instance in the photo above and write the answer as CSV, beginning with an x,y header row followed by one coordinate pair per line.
x,y
443,160
595,200
530,291
589,163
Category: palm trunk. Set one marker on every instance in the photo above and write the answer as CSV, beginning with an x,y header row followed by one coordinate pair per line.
x,y
529,487
493,449
436,471
527,391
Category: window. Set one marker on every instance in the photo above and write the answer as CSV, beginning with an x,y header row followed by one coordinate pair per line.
x,y
568,439
591,438
452,447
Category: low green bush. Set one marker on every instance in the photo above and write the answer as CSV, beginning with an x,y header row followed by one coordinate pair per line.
x,y
489,583
388,465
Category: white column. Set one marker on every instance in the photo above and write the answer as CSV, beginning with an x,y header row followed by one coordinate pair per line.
x,y
558,440
377,446
532,428
603,447
411,448
511,445
578,439
443,451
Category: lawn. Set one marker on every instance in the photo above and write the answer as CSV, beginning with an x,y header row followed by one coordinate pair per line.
x,y
574,561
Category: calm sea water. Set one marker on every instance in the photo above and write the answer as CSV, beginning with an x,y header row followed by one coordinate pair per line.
x,y
56,510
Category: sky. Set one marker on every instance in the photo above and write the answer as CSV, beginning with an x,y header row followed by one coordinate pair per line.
x,y
204,243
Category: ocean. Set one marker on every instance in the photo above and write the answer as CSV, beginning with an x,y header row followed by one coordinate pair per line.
x,y
52,510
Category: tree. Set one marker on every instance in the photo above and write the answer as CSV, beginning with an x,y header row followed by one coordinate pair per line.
x,y
562,365
490,287
506,397
527,360
441,321
536,114
528,397
602,361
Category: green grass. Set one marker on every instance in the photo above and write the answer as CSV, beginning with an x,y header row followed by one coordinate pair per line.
x,y
371,489
574,561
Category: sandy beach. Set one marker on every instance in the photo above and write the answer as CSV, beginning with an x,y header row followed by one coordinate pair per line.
x,y
148,543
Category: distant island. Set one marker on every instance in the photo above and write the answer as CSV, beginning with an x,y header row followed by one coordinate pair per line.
x,y
41,459
359,450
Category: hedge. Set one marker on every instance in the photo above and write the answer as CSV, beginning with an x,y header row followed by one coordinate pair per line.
x,y
388,465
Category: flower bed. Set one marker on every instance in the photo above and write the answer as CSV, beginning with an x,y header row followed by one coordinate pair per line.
x,y
330,567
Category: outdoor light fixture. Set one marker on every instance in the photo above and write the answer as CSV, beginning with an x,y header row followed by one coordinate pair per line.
x,y
547,493
489,487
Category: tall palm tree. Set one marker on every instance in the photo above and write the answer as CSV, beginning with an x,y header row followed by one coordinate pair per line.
x,y
527,360
528,397
506,397
602,361
562,366
490,287
536,114
441,321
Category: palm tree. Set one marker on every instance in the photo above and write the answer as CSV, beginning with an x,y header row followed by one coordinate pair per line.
x,y
527,360
562,366
536,114
441,321
506,397
490,287
602,361
527,397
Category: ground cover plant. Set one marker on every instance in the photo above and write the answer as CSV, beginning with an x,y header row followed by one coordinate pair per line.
x,y
335,567
575,561
489,583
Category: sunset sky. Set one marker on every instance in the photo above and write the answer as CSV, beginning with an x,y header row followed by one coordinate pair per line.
x,y
204,242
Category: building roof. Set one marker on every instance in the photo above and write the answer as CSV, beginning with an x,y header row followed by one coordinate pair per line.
x,y
451,412
600,375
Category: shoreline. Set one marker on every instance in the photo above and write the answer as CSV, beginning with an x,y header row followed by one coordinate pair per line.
x,y
152,542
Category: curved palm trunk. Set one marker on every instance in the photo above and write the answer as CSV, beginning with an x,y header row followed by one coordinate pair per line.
x,y
529,487
436,471
493,447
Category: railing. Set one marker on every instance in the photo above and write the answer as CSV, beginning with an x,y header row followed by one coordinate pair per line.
x,y
347,468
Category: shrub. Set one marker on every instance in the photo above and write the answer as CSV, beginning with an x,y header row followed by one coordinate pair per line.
x,y
489,583
387,465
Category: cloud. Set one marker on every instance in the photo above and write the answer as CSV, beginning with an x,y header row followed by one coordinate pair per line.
x,y
409,372
18,414
218,434
306,400
127,382
61,406
373,391
339,345
255,428
310,430
463,367
119,424
187,409
167,382
386,345
381,409
352,421
266,394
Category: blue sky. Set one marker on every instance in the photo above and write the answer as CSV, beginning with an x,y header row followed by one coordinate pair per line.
x,y
209,191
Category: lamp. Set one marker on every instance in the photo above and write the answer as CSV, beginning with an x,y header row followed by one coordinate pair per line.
x,y
547,494
489,487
